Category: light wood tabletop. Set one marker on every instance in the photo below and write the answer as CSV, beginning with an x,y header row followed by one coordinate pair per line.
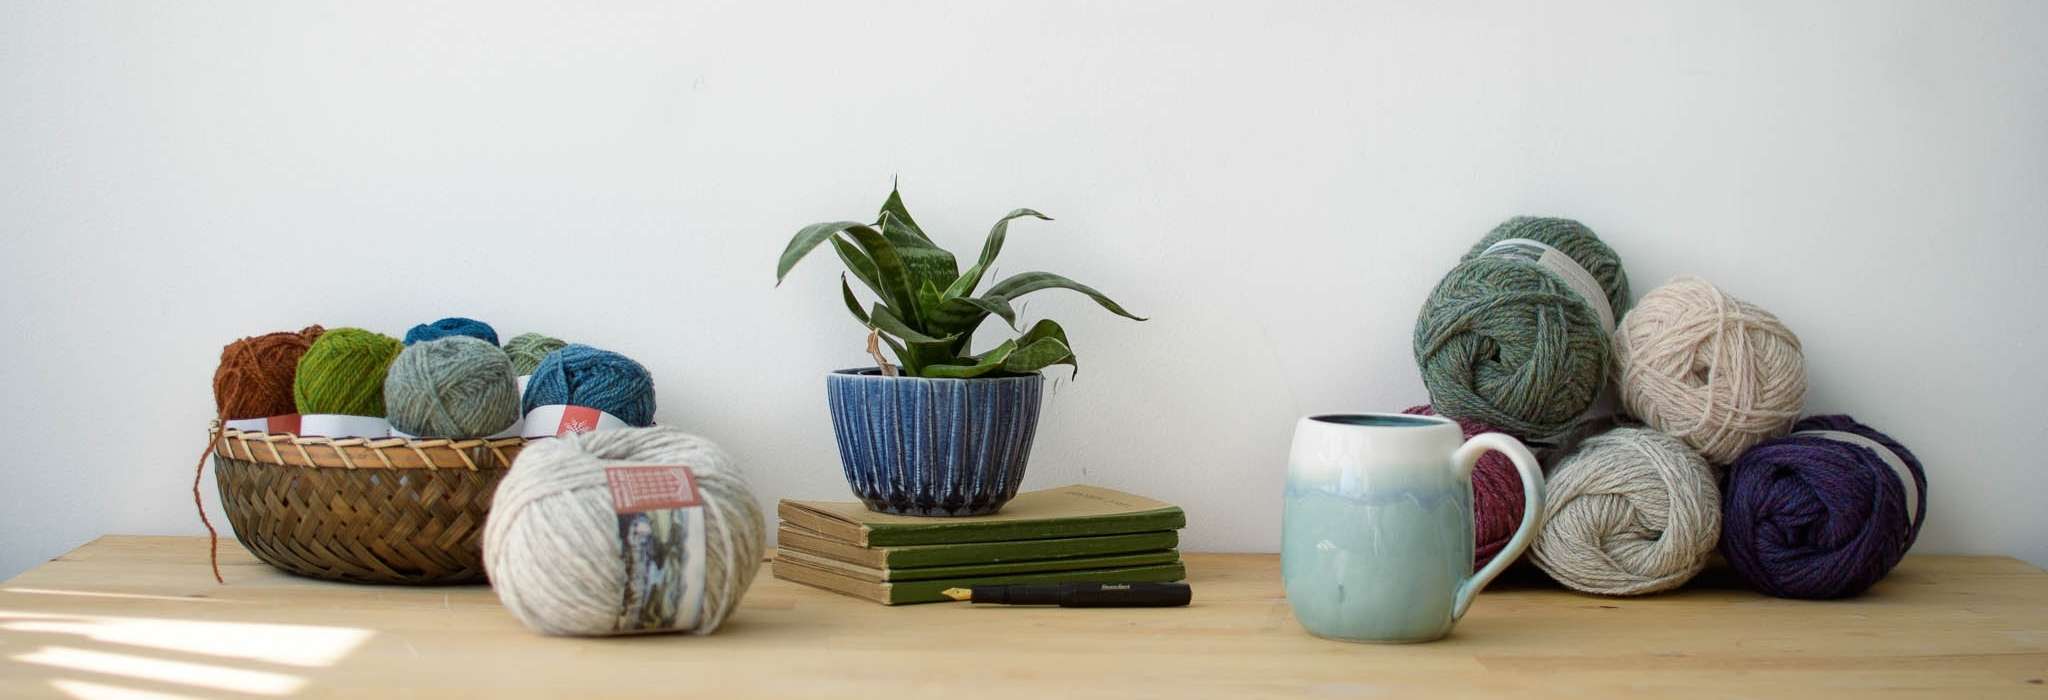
x,y
140,617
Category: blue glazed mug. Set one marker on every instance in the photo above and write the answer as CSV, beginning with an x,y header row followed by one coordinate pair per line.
x,y
1376,539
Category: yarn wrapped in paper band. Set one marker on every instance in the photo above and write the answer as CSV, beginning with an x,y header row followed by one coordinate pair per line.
x,y
343,373
1509,342
453,387
580,375
552,543
1718,372
453,325
1631,511
254,379
528,349
1496,495
1815,514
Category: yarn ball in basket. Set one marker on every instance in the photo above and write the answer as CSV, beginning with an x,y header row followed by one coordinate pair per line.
x,y
580,375
453,325
528,349
1496,495
557,553
1631,511
1824,512
1718,372
343,373
1510,342
452,387
254,379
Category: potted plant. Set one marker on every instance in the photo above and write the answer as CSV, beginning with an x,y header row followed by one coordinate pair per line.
x,y
943,431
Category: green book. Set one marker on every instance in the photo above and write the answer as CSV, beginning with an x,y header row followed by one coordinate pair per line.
x,y
1067,511
926,555
900,592
925,573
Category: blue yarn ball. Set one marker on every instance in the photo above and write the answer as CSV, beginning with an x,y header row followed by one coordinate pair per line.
x,y
453,325
580,375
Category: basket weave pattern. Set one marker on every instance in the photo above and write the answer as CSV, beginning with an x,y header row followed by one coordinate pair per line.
x,y
386,510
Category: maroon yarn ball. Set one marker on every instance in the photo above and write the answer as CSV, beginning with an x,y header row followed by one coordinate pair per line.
x,y
1496,494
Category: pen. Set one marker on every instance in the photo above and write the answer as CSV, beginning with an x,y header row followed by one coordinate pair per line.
x,y
1079,595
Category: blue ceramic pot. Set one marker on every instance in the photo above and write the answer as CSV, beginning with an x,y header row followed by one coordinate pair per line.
x,y
937,447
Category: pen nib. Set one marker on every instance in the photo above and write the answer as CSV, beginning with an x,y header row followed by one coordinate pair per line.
x,y
957,593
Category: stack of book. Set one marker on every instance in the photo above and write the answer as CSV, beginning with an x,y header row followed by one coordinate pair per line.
x,y
1062,535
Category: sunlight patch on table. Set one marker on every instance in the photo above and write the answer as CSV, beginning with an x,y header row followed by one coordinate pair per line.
x,y
292,645
177,672
95,691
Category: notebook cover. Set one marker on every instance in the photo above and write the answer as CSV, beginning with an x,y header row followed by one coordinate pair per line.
x,y
925,573
921,555
1067,511
901,592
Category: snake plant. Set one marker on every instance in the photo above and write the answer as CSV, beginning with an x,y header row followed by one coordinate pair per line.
x,y
928,308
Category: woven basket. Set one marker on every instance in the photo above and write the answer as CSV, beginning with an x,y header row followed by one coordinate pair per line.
x,y
385,510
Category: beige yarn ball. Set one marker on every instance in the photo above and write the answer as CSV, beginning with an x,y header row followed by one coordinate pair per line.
x,y
1715,371
1630,511
553,543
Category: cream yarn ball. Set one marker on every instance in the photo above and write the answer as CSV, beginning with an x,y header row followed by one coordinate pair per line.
x,y
1715,371
552,542
1630,511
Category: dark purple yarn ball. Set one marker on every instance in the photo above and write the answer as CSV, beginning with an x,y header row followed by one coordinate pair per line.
x,y
1805,516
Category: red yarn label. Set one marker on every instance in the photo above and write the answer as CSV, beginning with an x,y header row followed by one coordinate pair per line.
x,y
274,425
661,547
560,420
641,489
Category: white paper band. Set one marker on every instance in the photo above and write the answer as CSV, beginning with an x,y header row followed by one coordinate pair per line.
x,y
1568,269
274,425
510,431
340,426
1898,465
556,420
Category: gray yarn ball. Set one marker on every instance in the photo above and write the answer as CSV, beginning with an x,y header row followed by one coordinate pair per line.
x,y
452,387
552,543
1506,341
1631,511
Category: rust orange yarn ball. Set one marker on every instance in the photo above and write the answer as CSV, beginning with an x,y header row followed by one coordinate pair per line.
x,y
255,375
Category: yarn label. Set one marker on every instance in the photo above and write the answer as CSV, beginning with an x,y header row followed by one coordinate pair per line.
x,y
275,425
661,547
1574,275
557,420
1898,465
508,432
333,425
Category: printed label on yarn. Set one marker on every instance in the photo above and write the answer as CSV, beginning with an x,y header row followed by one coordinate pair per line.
x,y
1891,458
333,425
557,420
661,546
1566,268
275,425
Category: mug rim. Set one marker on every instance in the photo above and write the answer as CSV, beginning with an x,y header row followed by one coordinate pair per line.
x,y
1421,421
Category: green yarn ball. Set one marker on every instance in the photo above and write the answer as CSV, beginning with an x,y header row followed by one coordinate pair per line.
x,y
527,350
453,387
343,373
1503,340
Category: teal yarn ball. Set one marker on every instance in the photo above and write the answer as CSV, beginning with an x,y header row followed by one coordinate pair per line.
x,y
343,373
1508,341
580,375
528,349
453,325
453,387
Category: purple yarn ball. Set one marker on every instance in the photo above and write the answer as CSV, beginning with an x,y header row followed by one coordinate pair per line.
x,y
1805,516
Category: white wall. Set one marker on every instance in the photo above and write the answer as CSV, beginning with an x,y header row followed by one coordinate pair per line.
x,y
1277,187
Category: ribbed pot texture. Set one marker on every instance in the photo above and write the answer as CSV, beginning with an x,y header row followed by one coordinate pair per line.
x,y
933,447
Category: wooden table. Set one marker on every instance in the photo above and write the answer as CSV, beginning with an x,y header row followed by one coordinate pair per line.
x,y
140,617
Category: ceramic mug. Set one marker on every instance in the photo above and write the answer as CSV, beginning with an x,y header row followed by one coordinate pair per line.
x,y
1376,540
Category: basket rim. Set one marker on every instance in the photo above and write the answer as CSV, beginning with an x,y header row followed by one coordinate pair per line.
x,y
292,450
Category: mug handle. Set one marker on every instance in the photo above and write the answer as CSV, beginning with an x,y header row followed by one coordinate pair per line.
x,y
1463,460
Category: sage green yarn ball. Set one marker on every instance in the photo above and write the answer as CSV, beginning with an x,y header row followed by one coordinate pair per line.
x,y
527,350
453,387
1504,340
343,373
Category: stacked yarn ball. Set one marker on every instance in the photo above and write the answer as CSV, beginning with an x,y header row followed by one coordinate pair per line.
x,y
1508,342
552,543
1817,514
254,379
452,387
453,325
528,349
1497,499
343,373
580,375
1630,511
1718,372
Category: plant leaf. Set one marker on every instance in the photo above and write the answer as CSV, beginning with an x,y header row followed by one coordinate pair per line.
x,y
805,241
894,279
1028,282
1044,345
928,304
852,302
964,286
886,320
988,362
858,262
893,208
